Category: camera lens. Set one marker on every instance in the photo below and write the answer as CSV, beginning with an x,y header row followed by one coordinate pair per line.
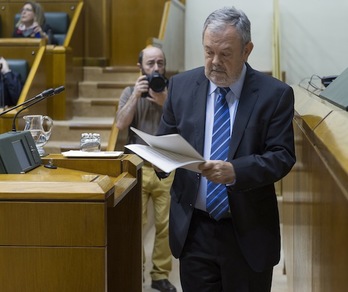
x,y
157,82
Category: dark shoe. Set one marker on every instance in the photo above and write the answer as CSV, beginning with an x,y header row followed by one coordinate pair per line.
x,y
163,286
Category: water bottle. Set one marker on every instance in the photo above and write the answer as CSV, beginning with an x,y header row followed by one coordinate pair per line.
x,y
90,142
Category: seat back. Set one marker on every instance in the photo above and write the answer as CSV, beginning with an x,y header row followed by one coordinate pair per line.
x,y
58,21
20,66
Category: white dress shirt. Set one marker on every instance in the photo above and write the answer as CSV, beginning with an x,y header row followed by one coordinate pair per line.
x,y
232,98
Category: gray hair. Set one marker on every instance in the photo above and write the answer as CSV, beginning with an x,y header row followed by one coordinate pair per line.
x,y
218,19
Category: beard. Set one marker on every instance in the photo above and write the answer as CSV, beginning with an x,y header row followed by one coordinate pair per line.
x,y
220,76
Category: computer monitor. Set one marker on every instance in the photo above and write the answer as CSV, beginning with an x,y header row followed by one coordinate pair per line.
x,y
18,153
337,91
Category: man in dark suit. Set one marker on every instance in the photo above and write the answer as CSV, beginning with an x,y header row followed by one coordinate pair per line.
x,y
10,85
236,249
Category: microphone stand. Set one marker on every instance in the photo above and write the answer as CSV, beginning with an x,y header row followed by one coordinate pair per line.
x,y
46,92
22,109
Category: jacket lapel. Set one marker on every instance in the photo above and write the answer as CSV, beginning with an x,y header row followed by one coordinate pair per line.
x,y
200,104
246,105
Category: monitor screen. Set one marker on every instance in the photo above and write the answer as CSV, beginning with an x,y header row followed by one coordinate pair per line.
x,y
21,155
337,91
18,152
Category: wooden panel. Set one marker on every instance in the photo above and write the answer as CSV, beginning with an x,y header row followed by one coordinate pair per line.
x,y
109,166
302,215
133,22
332,140
74,269
20,49
7,12
52,224
57,184
315,205
125,244
98,28
59,244
57,59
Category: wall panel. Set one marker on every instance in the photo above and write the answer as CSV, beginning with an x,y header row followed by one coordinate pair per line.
x,y
133,22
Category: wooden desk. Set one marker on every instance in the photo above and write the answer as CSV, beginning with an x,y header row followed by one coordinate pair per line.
x,y
315,198
72,228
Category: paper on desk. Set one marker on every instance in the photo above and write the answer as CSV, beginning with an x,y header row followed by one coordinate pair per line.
x,y
167,152
92,154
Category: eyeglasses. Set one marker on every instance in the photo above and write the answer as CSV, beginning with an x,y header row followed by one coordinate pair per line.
x,y
26,9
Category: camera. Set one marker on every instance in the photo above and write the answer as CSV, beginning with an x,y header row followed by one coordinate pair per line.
x,y
157,82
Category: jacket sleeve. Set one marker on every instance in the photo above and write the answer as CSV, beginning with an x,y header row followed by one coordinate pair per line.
x,y
12,86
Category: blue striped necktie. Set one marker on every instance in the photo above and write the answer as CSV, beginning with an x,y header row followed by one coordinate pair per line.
x,y
217,201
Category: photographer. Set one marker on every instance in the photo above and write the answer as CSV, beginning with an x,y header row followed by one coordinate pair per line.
x,y
10,85
140,106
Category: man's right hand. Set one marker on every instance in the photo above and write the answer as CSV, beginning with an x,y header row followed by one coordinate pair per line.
x,y
4,66
141,86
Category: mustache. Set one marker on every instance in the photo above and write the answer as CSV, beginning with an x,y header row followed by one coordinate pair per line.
x,y
217,69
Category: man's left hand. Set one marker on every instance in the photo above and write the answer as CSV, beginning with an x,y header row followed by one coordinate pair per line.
x,y
158,97
218,171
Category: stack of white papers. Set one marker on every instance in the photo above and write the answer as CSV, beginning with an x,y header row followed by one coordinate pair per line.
x,y
167,152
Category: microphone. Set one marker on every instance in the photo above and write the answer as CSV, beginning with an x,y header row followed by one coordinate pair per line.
x,y
59,89
43,95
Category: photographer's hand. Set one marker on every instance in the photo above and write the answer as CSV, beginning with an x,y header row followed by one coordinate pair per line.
x,y
158,97
141,86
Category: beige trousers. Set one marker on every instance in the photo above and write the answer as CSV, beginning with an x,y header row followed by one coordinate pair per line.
x,y
159,192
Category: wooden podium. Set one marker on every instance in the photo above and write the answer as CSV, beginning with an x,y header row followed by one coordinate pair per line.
x,y
76,228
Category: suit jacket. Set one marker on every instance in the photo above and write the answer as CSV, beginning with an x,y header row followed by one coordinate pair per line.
x,y
10,88
262,152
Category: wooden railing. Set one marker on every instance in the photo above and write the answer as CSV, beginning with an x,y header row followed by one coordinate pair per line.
x,y
73,24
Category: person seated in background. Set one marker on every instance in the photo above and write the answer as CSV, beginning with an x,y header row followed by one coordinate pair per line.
x,y
10,85
32,23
